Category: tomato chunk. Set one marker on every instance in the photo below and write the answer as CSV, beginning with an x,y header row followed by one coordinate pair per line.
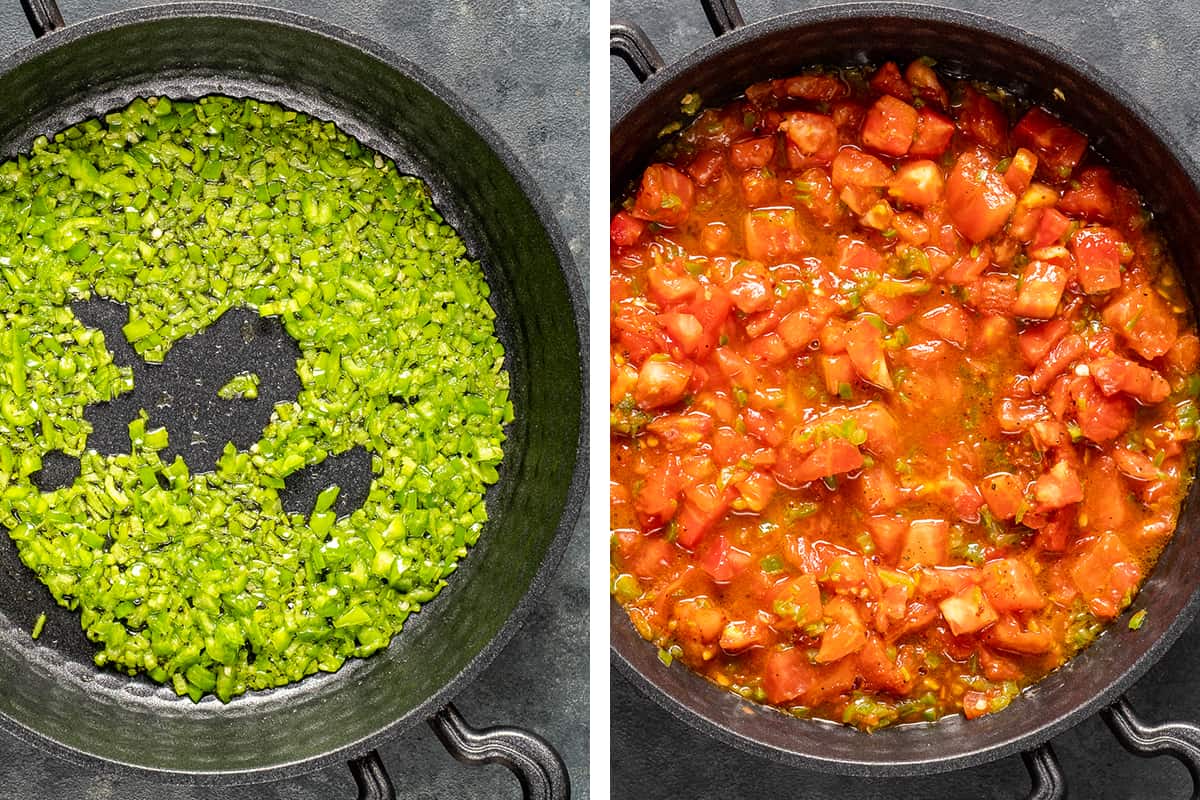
x,y
979,200
1041,288
752,153
933,135
925,544
721,560
772,234
1059,147
890,126
1057,488
1114,375
1106,574
864,344
845,633
626,230
983,119
812,139
831,457
1010,586
967,611
1004,494
661,382
918,183
666,195
797,602
1097,254
787,674
853,167
1144,320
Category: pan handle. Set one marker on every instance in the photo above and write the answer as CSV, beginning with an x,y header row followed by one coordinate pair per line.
x,y
43,16
1180,740
1047,777
536,764
630,42
723,15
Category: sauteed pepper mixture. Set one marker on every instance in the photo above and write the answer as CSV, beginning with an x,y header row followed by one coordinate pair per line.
x,y
903,395
183,210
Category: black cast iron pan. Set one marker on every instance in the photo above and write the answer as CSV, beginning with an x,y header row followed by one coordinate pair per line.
x,y
1138,148
50,691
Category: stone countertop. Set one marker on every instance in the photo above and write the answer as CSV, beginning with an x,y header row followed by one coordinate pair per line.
x,y
656,756
511,62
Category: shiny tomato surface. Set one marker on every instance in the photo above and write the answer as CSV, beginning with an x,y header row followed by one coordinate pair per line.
x,y
903,394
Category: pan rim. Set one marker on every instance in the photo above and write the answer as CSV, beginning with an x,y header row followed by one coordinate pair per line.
x,y
576,489
921,764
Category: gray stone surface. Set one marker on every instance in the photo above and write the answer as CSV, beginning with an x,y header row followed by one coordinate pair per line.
x,y
1150,49
523,67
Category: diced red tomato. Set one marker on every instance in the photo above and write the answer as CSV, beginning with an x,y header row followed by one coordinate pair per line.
x,y
970,265
815,88
711,307
831,457
1057,488
698,620
845,633
983,120
1097,254
772,234
706,167
812,139
1041,288
1093,198
1106,574
918,183
741,635
1031,640
887,80
1100,418
751,288
658,499
1037,341
1010,586
864,344
933,135
993,293
1059,147
669,284
721,560
797,603
681,431
925,84
948,321
787,674
626,230
838,373
1144,320
1064,353
752,153
703,505
968,611
853,167
798,329
980,202
685,329
1004,494
666,195
1052,228
890,126
661,382
1114,375
925,544
1135,465
1020,170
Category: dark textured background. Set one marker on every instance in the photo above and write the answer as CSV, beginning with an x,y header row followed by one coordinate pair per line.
x,y
512,62
1150,49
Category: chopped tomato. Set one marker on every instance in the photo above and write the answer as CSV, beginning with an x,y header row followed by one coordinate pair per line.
x,y
1052,228
721,560
925,543
1004,494
740,635
787,674
853,167
980,202
626,230
933,135
1097,254
797,602
838,374
983,120
658,498
1059,147
968,610
1037,341
685,329
1020,170
771,234
666,196
816,88
864,344
1144,320
1057,488
1040,290
948,321
1106,574
1100,418
890,126
752,153
1010,585
706,167
1058,360
661,382
925,84
917,183
1031,640
888,81
703,505
812,139
1114,375
845,633
1092,196
751,289
831,457
1135,465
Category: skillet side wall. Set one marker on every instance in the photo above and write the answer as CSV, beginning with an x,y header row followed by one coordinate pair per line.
x,y
56,691
849,35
